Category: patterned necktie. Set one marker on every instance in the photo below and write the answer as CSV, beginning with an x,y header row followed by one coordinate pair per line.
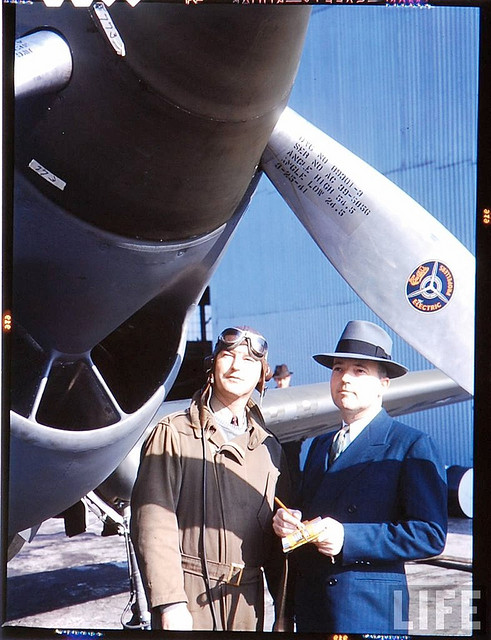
x,y
339,443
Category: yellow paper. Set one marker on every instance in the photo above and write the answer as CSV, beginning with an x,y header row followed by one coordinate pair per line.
x,y
308,533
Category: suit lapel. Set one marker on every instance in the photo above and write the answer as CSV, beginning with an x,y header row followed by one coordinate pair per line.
x,y
315,466
369,446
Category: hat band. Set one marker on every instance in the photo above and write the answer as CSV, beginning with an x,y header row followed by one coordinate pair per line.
x,y
362,348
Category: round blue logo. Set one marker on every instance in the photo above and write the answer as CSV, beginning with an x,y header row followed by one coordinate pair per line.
x,y
430,287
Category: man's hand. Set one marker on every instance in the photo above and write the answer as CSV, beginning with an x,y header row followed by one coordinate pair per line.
x,y
285,522
330,541
176,617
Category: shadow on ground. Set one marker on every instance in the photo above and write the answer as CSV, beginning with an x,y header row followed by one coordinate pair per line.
x,y
37,593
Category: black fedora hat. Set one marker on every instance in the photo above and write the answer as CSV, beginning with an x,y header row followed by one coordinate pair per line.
x,y
362,340
282,371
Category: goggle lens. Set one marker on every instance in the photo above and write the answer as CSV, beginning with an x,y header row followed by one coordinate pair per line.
x,y
232,337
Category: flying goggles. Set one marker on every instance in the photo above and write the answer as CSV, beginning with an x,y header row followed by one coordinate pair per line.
x,y
232,337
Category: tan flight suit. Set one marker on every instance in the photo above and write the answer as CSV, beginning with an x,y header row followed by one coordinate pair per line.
x,y
167,513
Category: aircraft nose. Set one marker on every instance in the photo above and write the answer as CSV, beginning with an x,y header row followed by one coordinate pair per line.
x,y
181,120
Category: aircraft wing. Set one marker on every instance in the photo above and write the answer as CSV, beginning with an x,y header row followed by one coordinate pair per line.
x,y
306,411
301,412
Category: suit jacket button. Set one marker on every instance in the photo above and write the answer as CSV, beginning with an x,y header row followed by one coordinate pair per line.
x,y
352,508
332,581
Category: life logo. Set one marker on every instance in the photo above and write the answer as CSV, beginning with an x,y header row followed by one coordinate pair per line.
x,y
430,287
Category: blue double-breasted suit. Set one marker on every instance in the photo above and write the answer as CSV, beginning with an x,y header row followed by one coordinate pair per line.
x,y
388,489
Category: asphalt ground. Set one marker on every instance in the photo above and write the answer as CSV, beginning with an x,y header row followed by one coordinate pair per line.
x,y
82,583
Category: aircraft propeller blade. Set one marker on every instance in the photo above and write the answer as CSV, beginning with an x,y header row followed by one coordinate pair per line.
x,y
43,63
407,267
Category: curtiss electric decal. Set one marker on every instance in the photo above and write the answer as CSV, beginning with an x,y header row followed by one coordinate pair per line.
x,y
430,287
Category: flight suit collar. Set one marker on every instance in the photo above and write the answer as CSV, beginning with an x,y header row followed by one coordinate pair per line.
x,y
202,420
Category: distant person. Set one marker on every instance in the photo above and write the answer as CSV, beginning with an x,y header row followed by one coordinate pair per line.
x,y
380,488
203,501
282,376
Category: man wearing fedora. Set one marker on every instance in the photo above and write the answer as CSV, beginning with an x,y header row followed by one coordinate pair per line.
x,y
380,489
282,376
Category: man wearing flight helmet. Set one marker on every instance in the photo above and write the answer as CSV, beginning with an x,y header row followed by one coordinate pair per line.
x,y
203,501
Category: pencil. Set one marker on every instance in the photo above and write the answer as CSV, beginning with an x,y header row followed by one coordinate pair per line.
x,y
300,525
280,504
